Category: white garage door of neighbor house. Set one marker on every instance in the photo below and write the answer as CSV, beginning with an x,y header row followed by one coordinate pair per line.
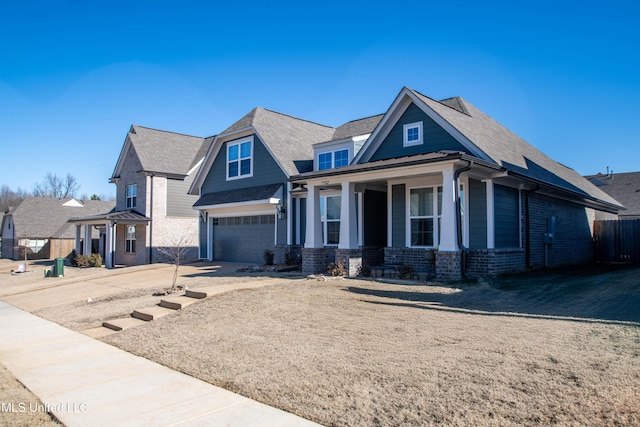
x,y
243,238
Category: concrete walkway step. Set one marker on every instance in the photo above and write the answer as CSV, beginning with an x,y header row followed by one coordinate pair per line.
x,y
194,293
177,303
151,313
120,324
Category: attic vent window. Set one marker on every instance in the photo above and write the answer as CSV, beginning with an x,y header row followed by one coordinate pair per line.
x,y
412,134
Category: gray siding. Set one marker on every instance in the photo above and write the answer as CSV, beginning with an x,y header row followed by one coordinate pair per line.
x,y
202,234
303,221
265,171
179,203
507,217
477,214
398,216
435,137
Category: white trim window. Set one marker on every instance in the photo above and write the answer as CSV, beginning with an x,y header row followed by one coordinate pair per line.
x,y
130,239
240,159
330,218
425,211
412,134
333,159
131,196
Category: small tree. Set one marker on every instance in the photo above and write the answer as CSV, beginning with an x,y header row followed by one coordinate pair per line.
x,y
175,254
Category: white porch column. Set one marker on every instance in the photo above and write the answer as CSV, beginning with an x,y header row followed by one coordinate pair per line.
x,y
78,239
448,232
314,229
109,246
87,240
491,227
348,223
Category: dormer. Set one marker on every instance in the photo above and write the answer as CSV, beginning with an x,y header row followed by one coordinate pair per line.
x,y
348,140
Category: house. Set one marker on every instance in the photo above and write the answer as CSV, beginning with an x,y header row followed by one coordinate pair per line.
x,y
39,226
624,187
437,185
153,210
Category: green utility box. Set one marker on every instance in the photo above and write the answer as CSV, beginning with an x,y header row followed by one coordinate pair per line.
x,y
58,267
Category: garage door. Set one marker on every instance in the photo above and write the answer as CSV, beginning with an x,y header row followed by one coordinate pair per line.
x,y
243,238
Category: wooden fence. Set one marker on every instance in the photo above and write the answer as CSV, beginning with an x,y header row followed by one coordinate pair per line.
x,y
617,241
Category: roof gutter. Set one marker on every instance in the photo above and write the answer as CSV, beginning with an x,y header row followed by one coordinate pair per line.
x,y
458,216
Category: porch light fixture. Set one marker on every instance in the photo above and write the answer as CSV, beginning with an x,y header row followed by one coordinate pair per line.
x,y
282,212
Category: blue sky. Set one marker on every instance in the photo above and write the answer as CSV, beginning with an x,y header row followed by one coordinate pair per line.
x,y
75,74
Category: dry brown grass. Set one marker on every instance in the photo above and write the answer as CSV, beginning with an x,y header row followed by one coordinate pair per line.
x,y
359,352
19,406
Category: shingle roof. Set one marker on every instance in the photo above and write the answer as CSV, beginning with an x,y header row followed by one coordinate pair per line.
x,y
509,150
624,187
45,217
167,152
357,127
289,139
234,196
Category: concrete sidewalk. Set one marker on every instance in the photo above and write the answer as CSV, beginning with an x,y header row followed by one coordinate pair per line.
x,y
85,382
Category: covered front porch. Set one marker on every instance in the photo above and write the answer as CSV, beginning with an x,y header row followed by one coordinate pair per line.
x,y
107,224
412,211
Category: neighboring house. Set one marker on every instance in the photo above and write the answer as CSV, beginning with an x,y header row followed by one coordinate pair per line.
x,y
624,187
39,226
153,210
437,185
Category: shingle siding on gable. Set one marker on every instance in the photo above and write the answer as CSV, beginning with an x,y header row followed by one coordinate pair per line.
x,y
477,214
179,203
435,138
265,171
507,217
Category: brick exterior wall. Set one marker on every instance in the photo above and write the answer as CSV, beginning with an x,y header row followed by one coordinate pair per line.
x,y
314,261
492,262
419,258
280,253
573,242
448,266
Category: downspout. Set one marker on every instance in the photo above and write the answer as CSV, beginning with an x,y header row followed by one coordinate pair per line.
x,y
527,223
456,192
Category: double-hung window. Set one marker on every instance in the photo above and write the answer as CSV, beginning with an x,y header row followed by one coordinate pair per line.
x,y
131,196
412,134
425,210
240,159
333,159
130,239
330,214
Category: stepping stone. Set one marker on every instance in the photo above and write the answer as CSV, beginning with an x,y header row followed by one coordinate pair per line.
x,y
193,293
151,313
120,324
176,303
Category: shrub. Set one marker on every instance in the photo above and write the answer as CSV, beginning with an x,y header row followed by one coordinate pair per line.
x,y
95,260
364,270
337,268
268,257
407,272
292,257
81,260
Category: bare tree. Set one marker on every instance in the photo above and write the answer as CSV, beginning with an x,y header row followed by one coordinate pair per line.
x,y
53,186
175,254
9,198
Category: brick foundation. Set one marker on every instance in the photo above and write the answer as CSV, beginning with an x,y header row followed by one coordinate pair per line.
x,y
448,266
314,260
492,262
